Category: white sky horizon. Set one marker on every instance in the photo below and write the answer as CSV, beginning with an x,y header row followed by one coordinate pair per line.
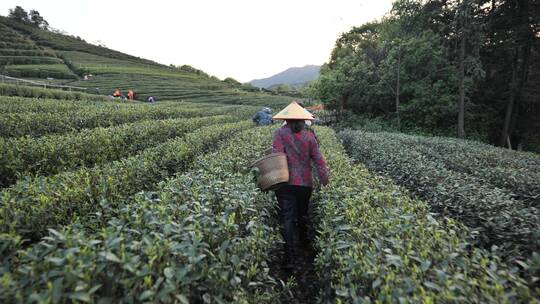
x,y
242,39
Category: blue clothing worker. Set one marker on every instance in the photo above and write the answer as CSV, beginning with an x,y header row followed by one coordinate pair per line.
x,y
263,117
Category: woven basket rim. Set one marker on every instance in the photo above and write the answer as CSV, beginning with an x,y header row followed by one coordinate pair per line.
x,y
271,155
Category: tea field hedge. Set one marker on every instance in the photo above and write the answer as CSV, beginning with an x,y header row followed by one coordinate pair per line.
x,y
157,203
377,244
19,46
56,41
37,92
85,63
22,52
58,70
444,177
51,154
12,39
35,53
516,172
204,236
32,205
5,60
178,88
38,124
38,105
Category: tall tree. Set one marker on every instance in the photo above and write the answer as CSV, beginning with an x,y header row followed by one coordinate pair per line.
x,y
398,86
37,20
518,17
444,65
463,20
19,14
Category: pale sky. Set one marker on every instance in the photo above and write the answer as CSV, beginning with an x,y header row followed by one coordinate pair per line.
x,y
236,38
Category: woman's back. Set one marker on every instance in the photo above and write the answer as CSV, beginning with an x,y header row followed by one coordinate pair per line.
x,y
302,149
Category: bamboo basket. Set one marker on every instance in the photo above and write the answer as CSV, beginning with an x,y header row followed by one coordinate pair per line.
x,y
273,171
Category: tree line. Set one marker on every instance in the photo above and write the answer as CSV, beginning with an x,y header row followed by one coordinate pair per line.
x,y
33,17
466,68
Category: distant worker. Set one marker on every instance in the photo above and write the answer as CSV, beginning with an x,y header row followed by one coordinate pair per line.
x,y
131,95
117,93
150,99
263,117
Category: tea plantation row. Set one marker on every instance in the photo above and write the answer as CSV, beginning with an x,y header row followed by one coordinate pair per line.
x,y
177,88
40,123
515,172
207,234
31,206
378,244
43,93
463,183
21,57
51,154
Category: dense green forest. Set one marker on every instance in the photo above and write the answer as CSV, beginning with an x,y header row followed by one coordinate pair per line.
x,y
466,68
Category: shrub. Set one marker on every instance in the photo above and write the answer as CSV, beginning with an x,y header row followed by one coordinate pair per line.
x,y
500,220
38,124
204,235
60,71
36,60
516,172
19,52
36,92
376,244
47,155
32,206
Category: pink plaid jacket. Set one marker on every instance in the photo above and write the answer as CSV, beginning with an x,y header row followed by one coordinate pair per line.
x,y
301,149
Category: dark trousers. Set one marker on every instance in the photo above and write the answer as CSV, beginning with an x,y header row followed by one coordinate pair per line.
x,y
293,216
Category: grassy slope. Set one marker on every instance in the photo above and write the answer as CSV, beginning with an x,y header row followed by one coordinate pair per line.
x,y
111,69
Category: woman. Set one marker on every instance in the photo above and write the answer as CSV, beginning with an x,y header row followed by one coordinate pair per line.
x,y
302,150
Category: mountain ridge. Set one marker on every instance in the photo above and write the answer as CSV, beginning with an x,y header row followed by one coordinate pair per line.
x,y
291,76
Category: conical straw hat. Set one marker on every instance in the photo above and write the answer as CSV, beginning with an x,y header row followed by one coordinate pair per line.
x,y
294,111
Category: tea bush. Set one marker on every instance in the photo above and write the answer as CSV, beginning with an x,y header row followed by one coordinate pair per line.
x,y
376,244
37,92
51,154
59,70
512,225
29,60
18,52
18,45
178,88
203,236
516,172
38,124
37,105
32,206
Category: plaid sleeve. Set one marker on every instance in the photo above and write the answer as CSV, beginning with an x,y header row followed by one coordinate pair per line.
x,y
277,143
318,159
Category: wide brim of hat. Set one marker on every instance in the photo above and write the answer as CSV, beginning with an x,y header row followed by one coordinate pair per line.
x,y
294,111
293,118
